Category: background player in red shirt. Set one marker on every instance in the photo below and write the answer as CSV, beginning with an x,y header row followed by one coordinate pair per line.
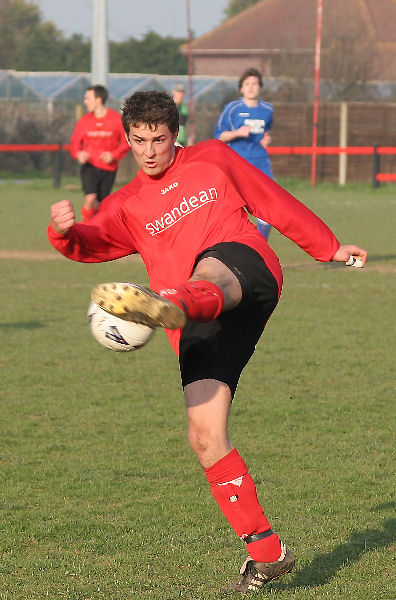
x,y
218,282
98,143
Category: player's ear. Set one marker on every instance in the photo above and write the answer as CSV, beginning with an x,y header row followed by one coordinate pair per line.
x,y
127,139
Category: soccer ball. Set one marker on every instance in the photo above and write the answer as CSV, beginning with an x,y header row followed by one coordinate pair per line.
x,y
115,333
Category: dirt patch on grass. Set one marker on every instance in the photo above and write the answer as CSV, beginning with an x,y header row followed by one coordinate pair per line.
x,y
30,255
53,255
378,267
48,255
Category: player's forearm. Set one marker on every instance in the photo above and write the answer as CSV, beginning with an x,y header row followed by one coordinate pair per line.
x,y
228,136
265,140
74,150
82,244
66,245
298,223
120,151
267,200
76,142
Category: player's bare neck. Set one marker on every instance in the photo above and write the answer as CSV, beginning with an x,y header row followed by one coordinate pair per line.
x,y
251,102
100,112
173,156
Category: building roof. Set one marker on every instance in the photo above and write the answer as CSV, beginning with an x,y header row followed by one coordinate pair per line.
x,y
291,25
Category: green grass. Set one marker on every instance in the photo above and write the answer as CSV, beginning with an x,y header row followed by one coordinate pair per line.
x,y
100,497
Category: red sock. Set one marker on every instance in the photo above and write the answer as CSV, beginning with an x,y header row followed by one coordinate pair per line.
x,y
235,493
201,300
87,213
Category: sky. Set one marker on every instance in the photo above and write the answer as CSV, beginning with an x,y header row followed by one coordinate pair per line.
x,y
134,18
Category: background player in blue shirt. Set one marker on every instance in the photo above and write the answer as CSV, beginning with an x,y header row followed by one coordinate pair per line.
x,y
244,125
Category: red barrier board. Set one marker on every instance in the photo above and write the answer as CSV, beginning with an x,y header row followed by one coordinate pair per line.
x,y
322,150
33,147
298,150
386,177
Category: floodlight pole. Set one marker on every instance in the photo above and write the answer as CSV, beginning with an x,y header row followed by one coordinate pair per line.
x,y
99,44
316,90
191,119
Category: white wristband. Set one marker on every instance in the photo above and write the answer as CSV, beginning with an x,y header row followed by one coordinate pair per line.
x,y
354,262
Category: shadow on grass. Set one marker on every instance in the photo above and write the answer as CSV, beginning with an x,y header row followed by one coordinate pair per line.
x,y
381,257
325,566
384,506
22,325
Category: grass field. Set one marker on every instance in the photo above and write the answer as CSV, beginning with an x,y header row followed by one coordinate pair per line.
x,y
101,498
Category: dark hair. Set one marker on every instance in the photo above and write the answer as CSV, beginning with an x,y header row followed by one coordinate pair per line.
x,y
151,108
250,73
99,91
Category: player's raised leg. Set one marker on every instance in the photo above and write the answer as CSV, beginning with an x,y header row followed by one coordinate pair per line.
x,y
212,289
134,302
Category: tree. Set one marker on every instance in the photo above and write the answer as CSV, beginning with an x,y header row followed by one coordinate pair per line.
x,y
152,54
41,50
26,42
76,54
350,53
349,61
234,7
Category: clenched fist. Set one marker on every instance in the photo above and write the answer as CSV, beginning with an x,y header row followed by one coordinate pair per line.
x,y
345,251
62,216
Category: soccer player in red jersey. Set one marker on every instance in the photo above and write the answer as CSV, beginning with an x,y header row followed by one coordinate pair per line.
x,y
214,282
98,143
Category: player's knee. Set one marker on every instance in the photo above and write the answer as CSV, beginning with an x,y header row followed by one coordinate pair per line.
x,y
213,270
198,443
202,440
90,201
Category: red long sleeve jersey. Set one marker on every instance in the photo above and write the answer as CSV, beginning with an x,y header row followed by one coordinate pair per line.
x,y
97,135
199,201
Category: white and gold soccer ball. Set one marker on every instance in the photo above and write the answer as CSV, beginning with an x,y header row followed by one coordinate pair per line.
x,y
115,333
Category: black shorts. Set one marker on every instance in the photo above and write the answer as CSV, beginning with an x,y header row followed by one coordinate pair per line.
x,y
221,348
96,181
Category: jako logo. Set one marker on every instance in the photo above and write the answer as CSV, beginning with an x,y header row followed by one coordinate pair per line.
x,y
168,189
